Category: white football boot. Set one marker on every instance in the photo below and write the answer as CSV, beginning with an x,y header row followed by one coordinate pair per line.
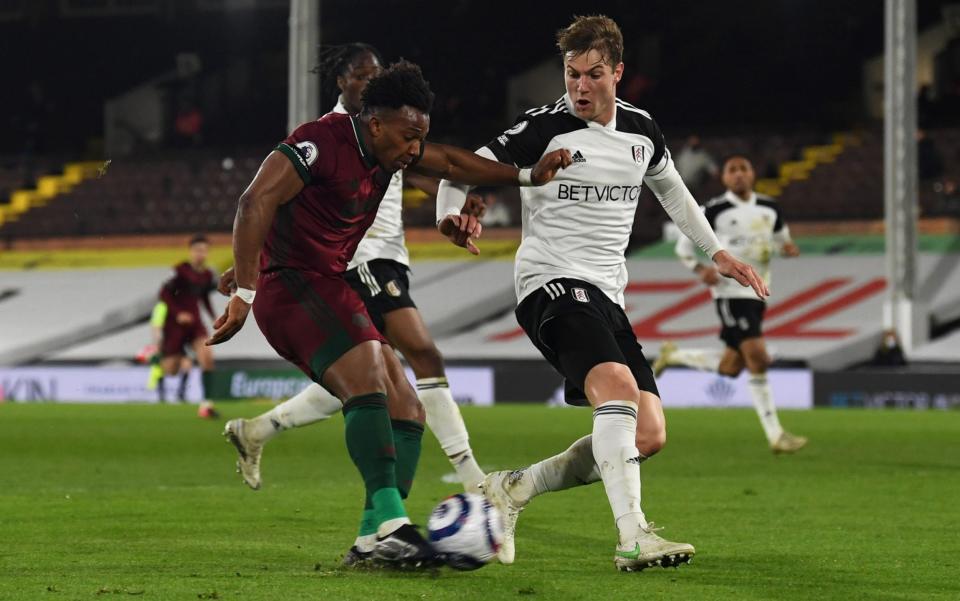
x,y
496,487
248,464
667,349
788,443
646,550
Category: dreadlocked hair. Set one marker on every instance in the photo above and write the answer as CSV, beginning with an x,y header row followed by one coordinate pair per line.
x,y
401,84
335,62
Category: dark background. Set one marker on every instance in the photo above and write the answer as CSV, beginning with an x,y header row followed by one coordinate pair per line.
x,y
714,67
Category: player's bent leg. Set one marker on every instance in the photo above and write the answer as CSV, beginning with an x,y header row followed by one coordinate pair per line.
x,y
670,355
360,376
312,404
651,434
406,420
731,363
510,491
754,351
616,431
406,330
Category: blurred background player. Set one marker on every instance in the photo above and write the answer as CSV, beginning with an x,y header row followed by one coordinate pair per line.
x,y
570,275
378,273
177,320
752,226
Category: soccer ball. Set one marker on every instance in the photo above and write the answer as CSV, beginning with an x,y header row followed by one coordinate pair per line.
x,y
467,529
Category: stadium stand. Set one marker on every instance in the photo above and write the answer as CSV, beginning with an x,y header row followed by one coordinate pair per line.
x,y
197,190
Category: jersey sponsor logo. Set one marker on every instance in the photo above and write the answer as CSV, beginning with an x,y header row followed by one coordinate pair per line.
x,y
392,288
503,139
638,154
580,295
578,157
308,151
598,193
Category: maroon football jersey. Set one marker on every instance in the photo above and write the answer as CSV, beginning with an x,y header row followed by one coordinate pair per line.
x,y
186,289
319,230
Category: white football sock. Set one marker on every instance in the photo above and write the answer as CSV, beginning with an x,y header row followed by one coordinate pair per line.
x,y
387,528
763,403
446,423
366,543
615,452
701,359
573,467
314,403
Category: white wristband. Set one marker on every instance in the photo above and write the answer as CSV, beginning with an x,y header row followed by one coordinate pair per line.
x,y
246,295
524,177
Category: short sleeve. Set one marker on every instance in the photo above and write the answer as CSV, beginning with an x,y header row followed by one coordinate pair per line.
x,y
522,145
311,150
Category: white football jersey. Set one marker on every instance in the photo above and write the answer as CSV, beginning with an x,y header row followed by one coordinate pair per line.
x,y
384,239
753,230
578,225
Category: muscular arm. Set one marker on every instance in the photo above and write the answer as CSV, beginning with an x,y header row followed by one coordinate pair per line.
x,y
428,185
464,167
451,196
276,183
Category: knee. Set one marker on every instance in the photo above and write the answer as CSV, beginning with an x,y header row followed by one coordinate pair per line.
x,y
611,382
407,406
651,437
731,371
425,360
408,409
758,362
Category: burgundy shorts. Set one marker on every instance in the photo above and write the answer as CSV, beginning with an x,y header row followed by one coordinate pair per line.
x,y
176,337
311,319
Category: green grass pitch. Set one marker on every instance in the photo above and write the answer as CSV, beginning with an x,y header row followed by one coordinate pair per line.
x,y
142,502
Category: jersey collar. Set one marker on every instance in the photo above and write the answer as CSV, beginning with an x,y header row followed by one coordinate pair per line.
x,y
339,108
368,159
569,104
737,200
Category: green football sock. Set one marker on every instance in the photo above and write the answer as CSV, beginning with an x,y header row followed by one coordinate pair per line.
x,y
371,447
407,436
368,521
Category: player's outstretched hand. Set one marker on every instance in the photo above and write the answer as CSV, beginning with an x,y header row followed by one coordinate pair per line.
x,y
730,267
228,282
790,249
230,322
548,166
462,229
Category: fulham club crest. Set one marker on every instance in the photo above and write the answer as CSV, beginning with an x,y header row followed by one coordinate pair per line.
x,y
638,154
580,295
